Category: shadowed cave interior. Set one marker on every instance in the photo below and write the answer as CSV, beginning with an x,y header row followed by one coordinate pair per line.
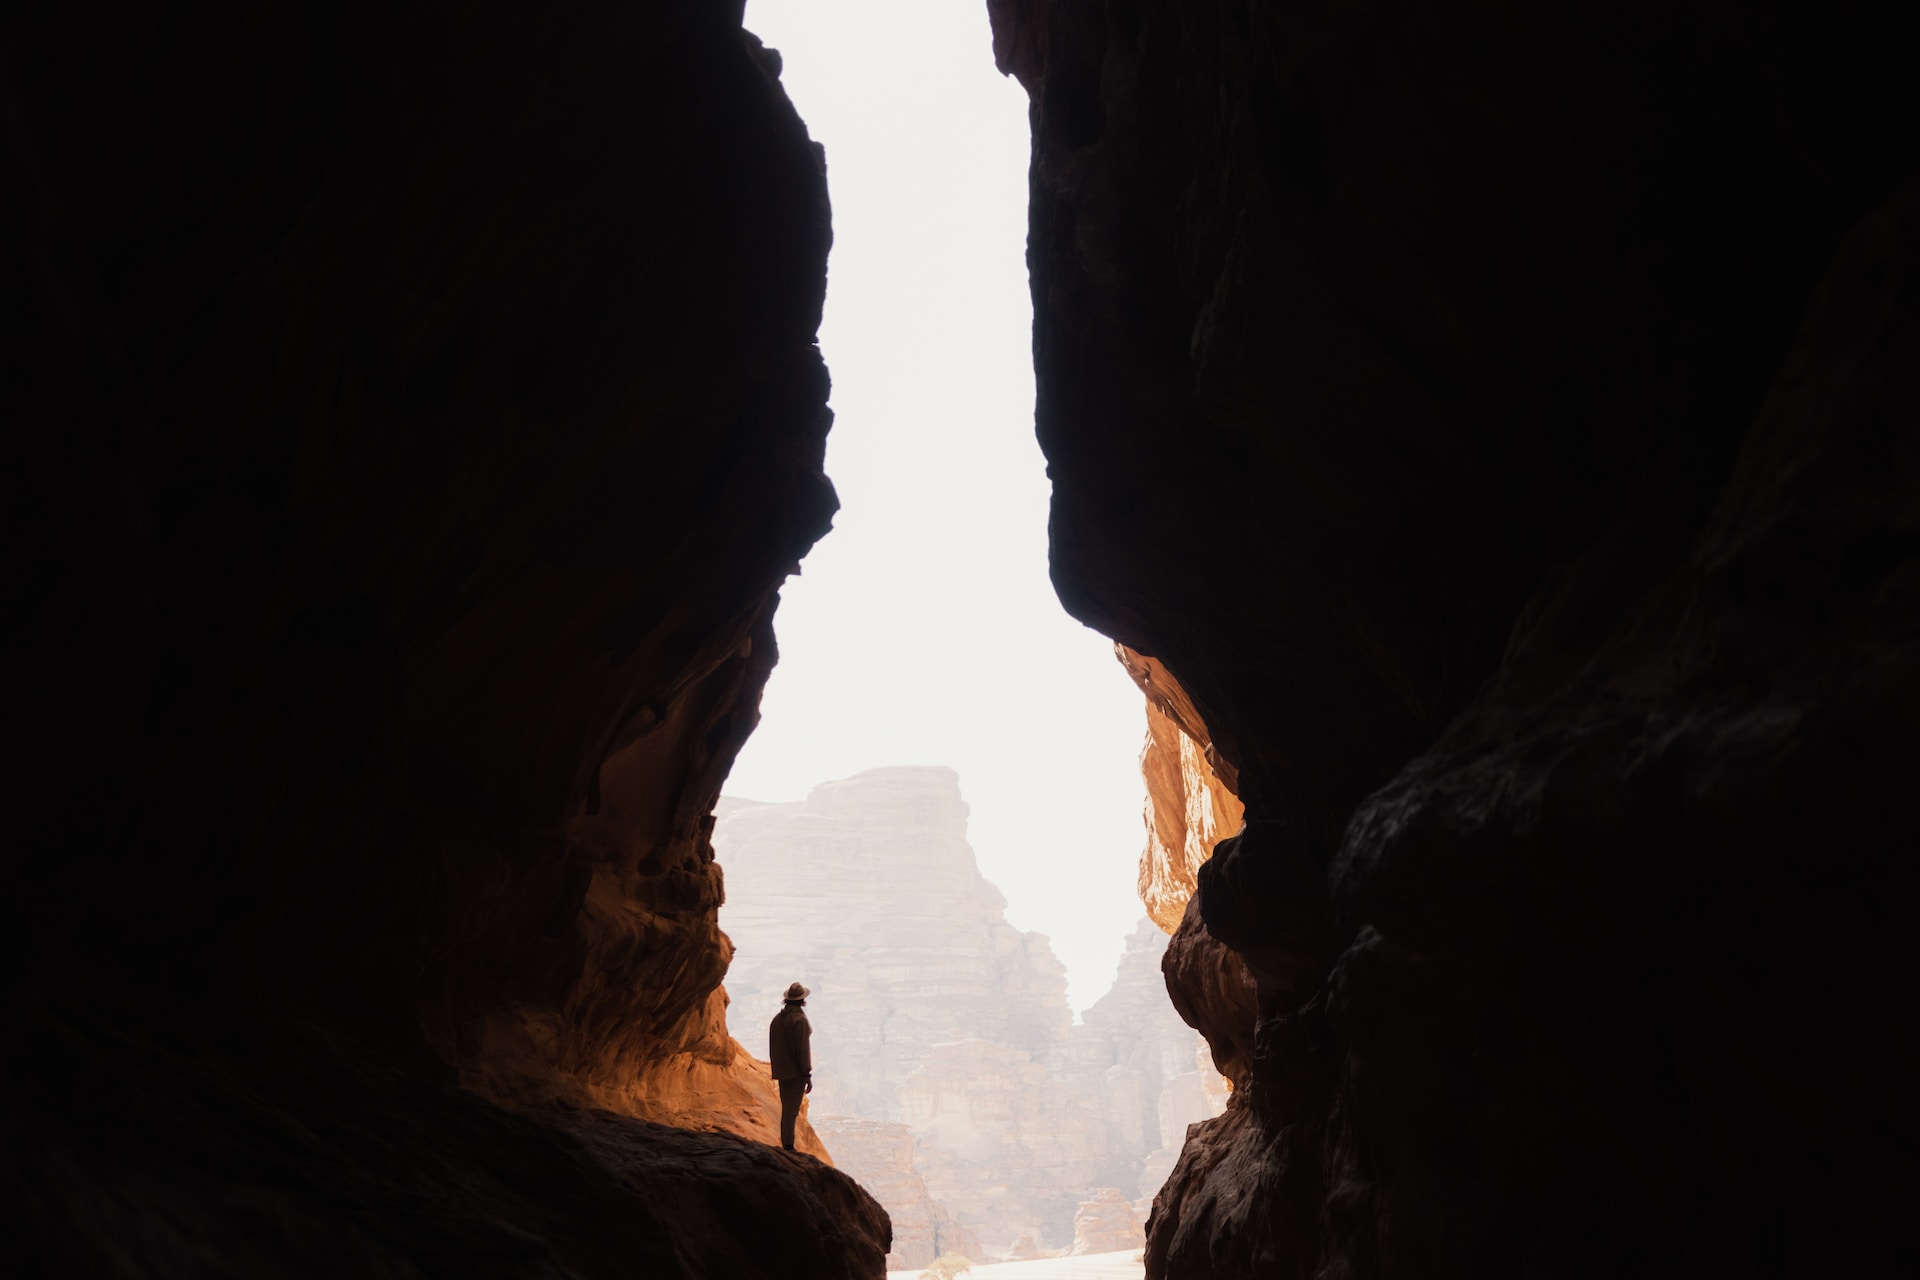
x,y
1490,432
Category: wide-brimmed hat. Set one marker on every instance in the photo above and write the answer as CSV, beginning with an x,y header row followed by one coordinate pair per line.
x,y
796,992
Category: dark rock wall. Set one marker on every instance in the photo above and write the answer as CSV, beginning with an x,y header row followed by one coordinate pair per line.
x,y
413,411
1421,387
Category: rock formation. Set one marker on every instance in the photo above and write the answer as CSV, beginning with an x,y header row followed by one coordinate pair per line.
x,y
1151,1074
1500,423
421,412
1191,805
1106,1224
868,892
937,1019
879,1156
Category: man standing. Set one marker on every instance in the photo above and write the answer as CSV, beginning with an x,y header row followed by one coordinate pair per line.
x,y
790,1050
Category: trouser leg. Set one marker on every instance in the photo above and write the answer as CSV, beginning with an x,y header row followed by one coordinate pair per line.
x,y
791,1091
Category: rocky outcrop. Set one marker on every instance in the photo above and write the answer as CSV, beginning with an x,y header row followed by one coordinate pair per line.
x,y
143,1157
1106,1224
1191,807
933,1013
1421,390
1211,988
879,1156
423,411
1190,803
1143,1062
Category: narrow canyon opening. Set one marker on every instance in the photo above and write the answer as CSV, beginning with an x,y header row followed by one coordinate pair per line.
x,y
1489,433
936,823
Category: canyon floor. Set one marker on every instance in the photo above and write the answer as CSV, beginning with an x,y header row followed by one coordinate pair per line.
x,y
1125,1265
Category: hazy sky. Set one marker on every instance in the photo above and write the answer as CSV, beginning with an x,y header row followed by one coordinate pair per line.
x,y
923,630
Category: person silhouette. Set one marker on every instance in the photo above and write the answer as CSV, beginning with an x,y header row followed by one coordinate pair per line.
x,y
790,1050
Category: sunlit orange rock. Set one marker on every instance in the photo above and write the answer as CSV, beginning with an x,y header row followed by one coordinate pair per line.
x,y
1190,801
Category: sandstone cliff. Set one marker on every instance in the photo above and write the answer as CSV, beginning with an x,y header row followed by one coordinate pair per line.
x,y
1152,1075
1191,807
1421,390
422,411
932,1013
868,891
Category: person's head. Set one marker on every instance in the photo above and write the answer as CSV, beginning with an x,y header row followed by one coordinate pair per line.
x,y
796,994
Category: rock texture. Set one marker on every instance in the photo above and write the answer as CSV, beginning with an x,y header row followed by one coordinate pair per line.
x,y
934,1014
421,412
1106,1224
140,1157
1421,390
1191,805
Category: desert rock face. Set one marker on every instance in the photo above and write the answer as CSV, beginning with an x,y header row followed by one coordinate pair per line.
x,y
1106,1224
868,891
879,1156
1191,805
935,1018
1502,426
423,412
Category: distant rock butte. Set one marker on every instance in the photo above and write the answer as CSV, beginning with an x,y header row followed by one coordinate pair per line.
x,y
949,1076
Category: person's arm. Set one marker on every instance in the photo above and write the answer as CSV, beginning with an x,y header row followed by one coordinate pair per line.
x,y
803,1036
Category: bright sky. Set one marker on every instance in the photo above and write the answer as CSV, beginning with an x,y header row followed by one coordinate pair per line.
x,y
923,630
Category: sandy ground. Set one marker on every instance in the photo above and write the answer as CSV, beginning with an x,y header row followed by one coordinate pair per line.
x,y
1088,1266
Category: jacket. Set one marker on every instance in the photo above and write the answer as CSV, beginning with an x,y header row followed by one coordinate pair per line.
x,y
788,1044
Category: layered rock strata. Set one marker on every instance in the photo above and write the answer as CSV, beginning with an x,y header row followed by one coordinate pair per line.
x,y
933,1014
422,412
1501,424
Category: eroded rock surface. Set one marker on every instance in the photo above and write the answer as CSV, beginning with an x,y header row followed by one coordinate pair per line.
x,y
1421,390
422,411
1191,805
141,1158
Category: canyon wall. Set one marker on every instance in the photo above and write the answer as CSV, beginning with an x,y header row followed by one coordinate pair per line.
x,y
418,411
1501,425
1191,804
944,1048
